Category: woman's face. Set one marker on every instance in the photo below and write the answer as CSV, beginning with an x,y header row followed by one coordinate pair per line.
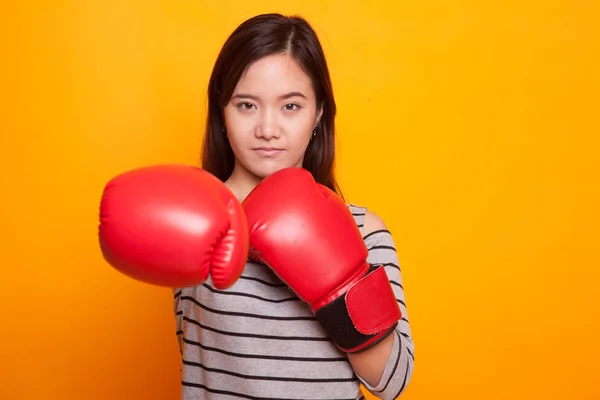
x,y
271,116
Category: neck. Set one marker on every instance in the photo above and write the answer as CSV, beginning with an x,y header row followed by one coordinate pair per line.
x,y
241,182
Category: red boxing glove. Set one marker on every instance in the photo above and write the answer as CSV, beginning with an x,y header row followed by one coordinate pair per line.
x,y
173,225
306,234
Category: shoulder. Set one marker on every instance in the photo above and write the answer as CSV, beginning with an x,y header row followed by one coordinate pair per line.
x,y
373,223
368,221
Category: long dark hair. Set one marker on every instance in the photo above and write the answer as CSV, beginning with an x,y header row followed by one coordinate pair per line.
x,y
255,38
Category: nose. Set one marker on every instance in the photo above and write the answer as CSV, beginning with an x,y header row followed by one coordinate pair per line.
x,y
267,128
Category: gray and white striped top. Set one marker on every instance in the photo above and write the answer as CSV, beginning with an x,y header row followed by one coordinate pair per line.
x,y
258,340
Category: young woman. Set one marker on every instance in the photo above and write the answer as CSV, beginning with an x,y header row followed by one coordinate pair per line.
x,y
271,107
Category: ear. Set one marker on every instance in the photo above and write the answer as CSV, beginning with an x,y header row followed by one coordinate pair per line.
x,y
319,115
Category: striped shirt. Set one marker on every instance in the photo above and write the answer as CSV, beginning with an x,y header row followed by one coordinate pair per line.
x,y
258,340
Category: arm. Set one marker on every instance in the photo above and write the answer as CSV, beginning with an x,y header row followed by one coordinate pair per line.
x,y
369,364
385,369
309,228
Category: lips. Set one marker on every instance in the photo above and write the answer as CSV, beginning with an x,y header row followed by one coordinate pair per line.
x,y
267,151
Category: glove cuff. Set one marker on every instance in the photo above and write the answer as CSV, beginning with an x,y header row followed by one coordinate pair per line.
x,y
362,316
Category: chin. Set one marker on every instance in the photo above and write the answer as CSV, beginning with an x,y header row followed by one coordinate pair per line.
x,y
262,171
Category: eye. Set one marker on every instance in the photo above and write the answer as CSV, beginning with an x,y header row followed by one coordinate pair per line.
x,y
291,107
245,106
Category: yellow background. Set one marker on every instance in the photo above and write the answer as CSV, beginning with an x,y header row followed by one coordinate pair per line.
x,y
470,127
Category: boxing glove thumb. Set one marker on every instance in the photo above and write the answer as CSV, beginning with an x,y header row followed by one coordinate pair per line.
x,y
232,251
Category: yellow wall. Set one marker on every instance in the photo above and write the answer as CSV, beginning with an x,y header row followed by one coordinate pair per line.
x,y
482,115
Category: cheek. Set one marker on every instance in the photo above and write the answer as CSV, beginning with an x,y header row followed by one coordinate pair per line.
x,y
230,119
302,137
300,129
238,143
237,131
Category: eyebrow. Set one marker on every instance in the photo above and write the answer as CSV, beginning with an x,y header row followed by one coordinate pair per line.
x,y
282,97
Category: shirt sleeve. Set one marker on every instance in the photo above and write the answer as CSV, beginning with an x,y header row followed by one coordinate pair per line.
x,y
177,293
399,368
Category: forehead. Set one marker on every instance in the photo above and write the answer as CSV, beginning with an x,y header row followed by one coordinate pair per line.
x,y
274,75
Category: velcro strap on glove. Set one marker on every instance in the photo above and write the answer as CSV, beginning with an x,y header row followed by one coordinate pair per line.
x,y
364,315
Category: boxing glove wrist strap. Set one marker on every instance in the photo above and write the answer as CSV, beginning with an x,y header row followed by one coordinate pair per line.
x,y
362,316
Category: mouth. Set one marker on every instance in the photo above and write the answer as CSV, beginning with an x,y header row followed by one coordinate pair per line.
x,y
267,151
